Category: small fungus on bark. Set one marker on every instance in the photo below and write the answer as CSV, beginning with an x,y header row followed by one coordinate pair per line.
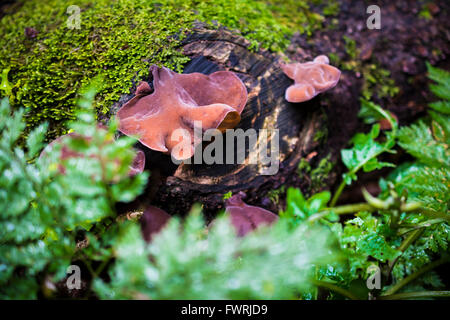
x,y
165,117
311,78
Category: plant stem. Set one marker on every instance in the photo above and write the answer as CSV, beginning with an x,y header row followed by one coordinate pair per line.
x,y
416,295
101,267
387,146
346,209
433,214
409,240
337,194
415,275
425,224
335,288
88,265
350,208
404,245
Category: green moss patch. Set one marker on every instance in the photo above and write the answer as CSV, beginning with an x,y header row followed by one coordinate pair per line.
x,y
318,175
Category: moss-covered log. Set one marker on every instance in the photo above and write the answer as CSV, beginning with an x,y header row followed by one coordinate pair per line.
x,y
212,50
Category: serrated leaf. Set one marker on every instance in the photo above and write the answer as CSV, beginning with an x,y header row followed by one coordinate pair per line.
x,y
418,140
35,140
441,106
439,75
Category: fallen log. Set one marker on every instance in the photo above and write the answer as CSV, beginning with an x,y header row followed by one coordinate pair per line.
x,y
176,187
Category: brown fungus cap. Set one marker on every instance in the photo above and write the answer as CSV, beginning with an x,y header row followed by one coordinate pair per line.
x,y
178,100
311,78
247,218
153,221
138,164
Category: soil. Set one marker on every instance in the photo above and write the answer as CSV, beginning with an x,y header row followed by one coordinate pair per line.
x,y
403,45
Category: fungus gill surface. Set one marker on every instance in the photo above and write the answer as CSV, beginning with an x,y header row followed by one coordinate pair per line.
x,y
164,119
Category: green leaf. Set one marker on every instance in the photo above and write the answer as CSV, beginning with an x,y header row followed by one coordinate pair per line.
x,y
127,190
369,112
44,203
298,208
441,106
35,140
364,153
441,76
418,140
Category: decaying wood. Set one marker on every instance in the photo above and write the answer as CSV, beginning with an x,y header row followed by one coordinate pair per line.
x,y
176,188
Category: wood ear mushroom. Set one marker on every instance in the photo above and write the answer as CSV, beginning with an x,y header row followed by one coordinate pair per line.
x,y
311,78
166,117
246,218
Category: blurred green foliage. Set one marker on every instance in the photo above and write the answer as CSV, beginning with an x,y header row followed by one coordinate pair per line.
x,y
42,209
188,263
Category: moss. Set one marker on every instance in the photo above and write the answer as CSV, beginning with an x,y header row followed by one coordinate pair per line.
x,y
113,42
321,135
320,174
5,86
317,176
118,39
425,11
350,48
377,81
331,8
275,194
227,195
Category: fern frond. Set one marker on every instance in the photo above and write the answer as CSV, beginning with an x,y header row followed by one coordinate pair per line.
x,y
441,76
441,106
418,140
